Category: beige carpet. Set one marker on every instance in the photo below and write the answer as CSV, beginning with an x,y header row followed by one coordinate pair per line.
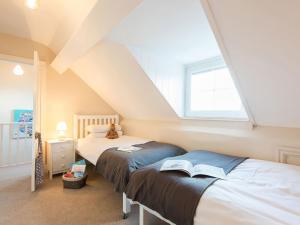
x,y
96,203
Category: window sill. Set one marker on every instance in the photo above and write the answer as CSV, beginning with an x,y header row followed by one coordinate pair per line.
x,y
215,119
221,122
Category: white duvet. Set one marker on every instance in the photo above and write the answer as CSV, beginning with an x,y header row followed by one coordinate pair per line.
x,y
256,192
91,148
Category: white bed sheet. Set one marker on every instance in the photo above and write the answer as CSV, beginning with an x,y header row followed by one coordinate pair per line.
x,y
91,148
257,192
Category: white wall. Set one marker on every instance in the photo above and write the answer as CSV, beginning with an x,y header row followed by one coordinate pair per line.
x,y
226,137
111,70
165,73
178,34
16,92
262,42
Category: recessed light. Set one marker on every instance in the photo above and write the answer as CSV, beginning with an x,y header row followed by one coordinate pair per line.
x,y
32,4
18,70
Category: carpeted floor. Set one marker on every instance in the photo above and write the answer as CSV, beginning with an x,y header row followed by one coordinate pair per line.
x,y
94,204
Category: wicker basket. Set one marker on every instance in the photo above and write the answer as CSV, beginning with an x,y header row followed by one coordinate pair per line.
x,y
74,183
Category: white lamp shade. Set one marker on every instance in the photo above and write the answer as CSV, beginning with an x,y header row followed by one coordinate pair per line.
x,y
32,4
18,70
61,126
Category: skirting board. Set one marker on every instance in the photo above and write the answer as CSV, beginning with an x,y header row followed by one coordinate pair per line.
x,y
289,155
15,172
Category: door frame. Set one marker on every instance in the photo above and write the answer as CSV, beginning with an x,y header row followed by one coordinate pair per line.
x,y
37,93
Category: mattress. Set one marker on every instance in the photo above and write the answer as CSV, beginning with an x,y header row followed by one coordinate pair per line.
x,y
91,148
256,192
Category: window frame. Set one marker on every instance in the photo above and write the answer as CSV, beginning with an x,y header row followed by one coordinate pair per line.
x,y
206,66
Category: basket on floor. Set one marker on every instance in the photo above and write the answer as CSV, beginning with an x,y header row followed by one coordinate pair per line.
x,y
74,182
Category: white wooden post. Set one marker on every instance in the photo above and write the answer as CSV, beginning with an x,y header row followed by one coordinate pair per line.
x,y
126,206
1,144
141,217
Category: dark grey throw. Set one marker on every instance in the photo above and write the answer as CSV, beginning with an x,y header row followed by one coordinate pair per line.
x,y
116,166
174,194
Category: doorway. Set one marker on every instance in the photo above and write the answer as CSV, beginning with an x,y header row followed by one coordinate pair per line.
x,y
18,100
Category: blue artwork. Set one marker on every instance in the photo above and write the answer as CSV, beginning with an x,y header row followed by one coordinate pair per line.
x,y
23,118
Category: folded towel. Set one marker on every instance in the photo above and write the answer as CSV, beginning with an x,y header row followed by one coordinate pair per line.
x,y
129,148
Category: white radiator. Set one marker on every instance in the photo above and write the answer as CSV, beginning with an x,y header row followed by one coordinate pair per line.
x,y
15,144
290,155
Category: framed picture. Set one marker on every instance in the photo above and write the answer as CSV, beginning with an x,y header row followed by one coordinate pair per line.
x,y
23,119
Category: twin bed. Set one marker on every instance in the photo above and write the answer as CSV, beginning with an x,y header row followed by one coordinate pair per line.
x,y
117,166
255,192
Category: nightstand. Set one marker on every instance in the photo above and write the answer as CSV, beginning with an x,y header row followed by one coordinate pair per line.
x,y
60,155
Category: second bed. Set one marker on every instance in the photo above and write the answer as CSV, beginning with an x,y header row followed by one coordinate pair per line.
x,y
113,164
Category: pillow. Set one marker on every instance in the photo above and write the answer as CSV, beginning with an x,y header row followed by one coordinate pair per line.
x,y
97,128
102,128
102,135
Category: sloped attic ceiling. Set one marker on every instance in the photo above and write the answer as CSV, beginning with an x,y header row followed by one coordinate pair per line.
x,y
51,24
163,44
160,46
260,38
114,74
262,42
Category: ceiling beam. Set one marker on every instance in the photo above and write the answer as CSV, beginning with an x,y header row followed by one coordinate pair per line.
x,y
105,15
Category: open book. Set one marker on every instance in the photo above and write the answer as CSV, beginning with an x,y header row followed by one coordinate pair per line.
x,y
187,167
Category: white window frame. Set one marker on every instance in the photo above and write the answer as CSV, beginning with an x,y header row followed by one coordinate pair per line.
x,y
205,66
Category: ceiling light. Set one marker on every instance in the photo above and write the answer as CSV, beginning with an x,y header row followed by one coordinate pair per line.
x,y
32,4
18,71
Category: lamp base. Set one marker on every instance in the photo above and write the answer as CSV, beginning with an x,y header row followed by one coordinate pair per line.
x,y
61,135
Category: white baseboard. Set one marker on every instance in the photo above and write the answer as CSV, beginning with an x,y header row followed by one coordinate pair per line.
x,y
15,172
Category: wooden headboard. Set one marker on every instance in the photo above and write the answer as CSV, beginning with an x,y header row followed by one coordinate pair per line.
x,y
82,121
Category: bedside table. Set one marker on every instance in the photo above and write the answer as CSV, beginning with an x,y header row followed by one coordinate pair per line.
x,y
60,154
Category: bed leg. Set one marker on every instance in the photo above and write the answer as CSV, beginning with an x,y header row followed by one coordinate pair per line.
x,y
126,206
141,216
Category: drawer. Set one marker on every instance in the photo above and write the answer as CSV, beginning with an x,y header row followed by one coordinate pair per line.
x,y
61,164
62,147
67,156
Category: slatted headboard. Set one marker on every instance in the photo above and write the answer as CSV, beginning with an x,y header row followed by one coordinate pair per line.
x,y
82,121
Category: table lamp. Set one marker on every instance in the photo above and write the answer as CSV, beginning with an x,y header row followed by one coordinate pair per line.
x,y
61,128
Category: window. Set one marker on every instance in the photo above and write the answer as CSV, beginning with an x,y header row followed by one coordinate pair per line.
x,y
210,91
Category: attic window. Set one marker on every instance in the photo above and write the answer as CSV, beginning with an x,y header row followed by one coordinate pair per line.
x,y
210,92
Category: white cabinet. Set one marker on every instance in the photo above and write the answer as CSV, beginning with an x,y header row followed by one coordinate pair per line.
x,y
60,155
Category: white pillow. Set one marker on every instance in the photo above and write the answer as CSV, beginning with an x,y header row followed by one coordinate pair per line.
x,y
97,128
102,135
101,128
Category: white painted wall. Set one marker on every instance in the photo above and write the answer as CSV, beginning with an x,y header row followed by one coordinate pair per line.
x,y
101,20
174,29
16,92
51,24
166,74
225,137
178,34
111,70
261,38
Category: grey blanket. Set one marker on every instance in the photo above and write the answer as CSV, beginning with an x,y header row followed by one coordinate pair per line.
x,y
174,194
116,166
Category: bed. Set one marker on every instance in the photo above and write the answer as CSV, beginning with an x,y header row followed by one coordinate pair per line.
x,y
255,192
116,166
